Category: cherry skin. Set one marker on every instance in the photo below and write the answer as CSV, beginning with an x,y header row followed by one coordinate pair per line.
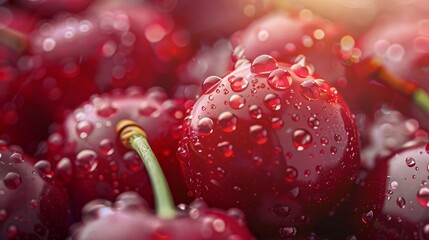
x,y
92,160
273,140
31,206
392,202
401,46
48,8
130,218
284,36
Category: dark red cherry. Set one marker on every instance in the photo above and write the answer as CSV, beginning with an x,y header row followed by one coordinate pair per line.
x,y
92,160
400,46
31,206
392,202
129,217
285,36
273,140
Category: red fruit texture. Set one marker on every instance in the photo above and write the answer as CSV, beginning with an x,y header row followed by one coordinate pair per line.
x,y
274,140
75,56
30,207
130,218
216,19
402,46
392,202
48,8
91,158
285,35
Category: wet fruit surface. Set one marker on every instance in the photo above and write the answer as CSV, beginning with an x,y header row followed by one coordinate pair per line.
x,y
31,206
282,147
130,218
392,202
92,160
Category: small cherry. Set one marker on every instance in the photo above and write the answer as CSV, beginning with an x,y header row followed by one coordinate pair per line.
x,y
31,205
93,161
274,140
393,202
285,35
130,218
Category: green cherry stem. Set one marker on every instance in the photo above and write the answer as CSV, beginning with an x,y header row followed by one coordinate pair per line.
x,y
134,137
14,39
418,95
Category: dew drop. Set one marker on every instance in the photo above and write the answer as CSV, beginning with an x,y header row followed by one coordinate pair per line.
x,y
86,161
237,101
333,150
106,147
310,90
337,138
132,161
12,180
258,134
106,109
287,232
255,112
16,158
401,202
313,122
226,149
291,174
279,79
263,64
227,121
394,185
276,123
272,101
301,67
367,217
218,225
205,126
44,169
301,139
411,162
423,196
84,128
238,84
210,84
324,141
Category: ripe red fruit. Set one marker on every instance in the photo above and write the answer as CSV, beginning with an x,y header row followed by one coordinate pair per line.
x,y
273,140
92,159
284,36
130,218
401,46
30,207
392,202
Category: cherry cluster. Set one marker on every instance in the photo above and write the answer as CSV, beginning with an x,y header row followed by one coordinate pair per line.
x,y
222,120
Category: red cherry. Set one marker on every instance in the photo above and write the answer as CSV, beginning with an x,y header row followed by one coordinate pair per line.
x,y
392,202
130,218
401,47
278,144
30,207
285,36
94,162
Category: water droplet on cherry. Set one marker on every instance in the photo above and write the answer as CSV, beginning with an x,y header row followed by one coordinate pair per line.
x,y
272,101
86,161
301,139
205,126
84,128
310,89
264,64
238,84
12,180
227,121
210,84
258,134
279,79
237,101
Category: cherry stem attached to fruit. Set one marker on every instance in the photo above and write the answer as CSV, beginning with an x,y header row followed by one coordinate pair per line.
x,y
13,39
419,96
134,137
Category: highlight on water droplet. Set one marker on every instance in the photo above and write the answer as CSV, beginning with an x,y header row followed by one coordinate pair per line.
x,y
84,128
423,197
301,139
279,79
263,65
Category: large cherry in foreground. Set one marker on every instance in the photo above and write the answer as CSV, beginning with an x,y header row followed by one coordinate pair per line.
x,y
273,140
31,206
393,201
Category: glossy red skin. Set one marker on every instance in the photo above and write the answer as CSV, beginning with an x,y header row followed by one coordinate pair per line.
x,y
209,20
115,174
64,74
378,194
135,221
259,187
48,8
37,208
402,45
283,38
